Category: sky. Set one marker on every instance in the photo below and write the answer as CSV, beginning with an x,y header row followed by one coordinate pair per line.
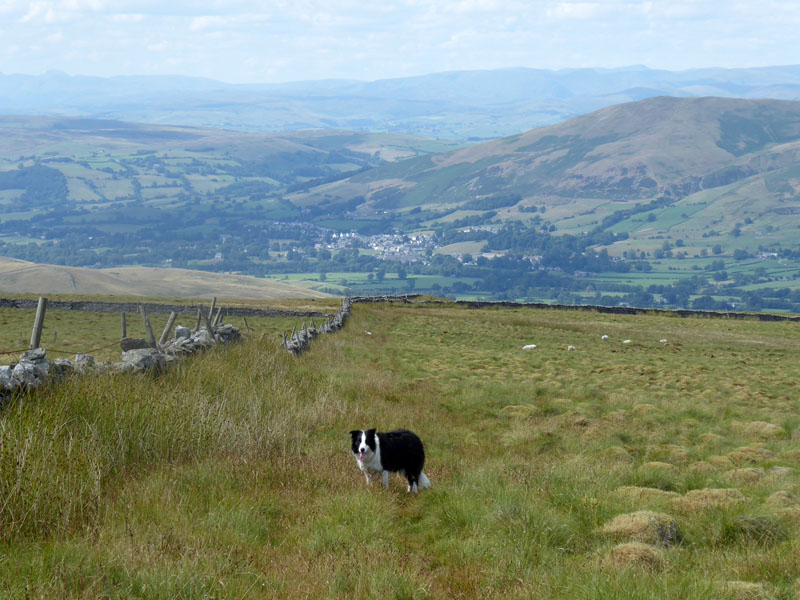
x,y
260,41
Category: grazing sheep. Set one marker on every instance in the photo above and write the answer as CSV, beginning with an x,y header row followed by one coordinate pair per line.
x,y
662,341
626,341
529,347
604,338
571,348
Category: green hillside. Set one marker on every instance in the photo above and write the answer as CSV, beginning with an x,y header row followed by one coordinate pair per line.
x,y
636,151
639,470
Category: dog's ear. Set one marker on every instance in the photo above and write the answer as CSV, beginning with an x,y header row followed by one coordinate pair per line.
x,y
370,432
354,433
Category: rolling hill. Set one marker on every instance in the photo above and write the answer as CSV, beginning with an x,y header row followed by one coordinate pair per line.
x,y
21,277
663,149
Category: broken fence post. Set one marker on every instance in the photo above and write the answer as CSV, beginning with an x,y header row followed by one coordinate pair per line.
x,y
124,326
209,328
213,306
168,329
38,324
151,338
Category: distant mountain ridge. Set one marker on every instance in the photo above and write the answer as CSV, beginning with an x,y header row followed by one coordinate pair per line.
x,y
451,105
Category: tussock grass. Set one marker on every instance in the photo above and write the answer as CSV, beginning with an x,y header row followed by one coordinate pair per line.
x,y
231,477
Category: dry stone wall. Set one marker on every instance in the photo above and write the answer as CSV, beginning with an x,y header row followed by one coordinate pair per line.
x,y
299,341
34,368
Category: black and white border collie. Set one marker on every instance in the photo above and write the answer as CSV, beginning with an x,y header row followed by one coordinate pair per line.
x,y
397,451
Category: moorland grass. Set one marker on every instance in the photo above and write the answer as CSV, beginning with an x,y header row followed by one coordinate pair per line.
x,y
231,477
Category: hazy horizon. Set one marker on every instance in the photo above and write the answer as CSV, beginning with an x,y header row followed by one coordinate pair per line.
x,y
279,41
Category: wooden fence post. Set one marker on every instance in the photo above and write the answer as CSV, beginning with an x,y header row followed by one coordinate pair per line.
x,y
168,329
246,326
151,339
213,306
38,324
199,319
217,317
209,328
124,326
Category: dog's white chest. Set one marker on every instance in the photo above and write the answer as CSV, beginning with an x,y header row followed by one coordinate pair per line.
x,y
372,465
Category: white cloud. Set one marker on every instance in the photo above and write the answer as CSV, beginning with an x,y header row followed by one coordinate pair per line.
x,y
241,40
575,10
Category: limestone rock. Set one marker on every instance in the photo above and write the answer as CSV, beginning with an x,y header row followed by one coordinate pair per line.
x,y
133,344
26,375
7,382
144,359
33,356
84,362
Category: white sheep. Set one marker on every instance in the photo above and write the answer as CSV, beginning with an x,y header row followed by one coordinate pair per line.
x,y
571,348
529,347
604,338
662,341
626,341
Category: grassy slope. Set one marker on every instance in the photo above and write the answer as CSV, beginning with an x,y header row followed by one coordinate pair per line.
x,y
19,277
231,476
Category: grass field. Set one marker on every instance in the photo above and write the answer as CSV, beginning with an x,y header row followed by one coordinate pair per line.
x,y
640,470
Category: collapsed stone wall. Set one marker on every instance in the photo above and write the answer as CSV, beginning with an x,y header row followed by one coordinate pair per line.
x,y
34,369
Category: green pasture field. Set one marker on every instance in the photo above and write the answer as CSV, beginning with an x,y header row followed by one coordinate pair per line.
x,y
624,471
668,271
359,284
20,215
666,219
461,248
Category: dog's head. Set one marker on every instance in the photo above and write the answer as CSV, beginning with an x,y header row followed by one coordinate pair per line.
x,y
363,444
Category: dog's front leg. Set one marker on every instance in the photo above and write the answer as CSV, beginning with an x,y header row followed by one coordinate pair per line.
x,y
385,478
